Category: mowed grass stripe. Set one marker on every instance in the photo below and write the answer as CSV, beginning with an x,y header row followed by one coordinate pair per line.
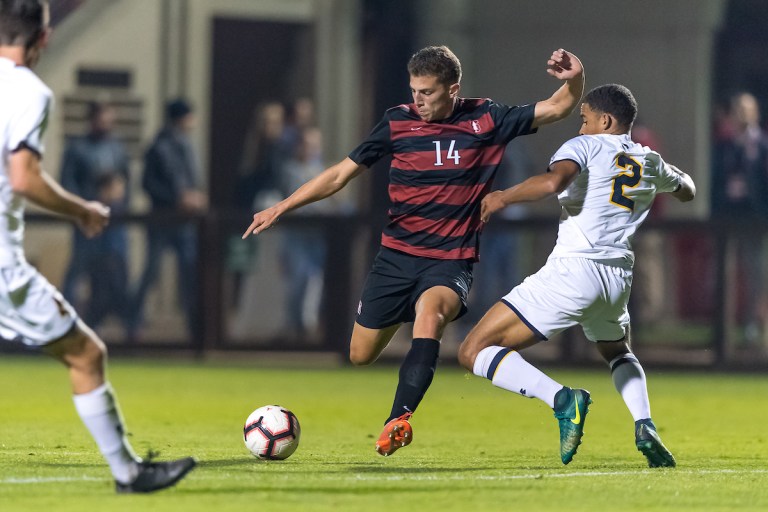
x,y
475,447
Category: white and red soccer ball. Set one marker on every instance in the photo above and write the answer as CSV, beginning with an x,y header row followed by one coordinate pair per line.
x,y
272,433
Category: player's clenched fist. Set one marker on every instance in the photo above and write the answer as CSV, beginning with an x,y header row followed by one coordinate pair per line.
x,y
564,65
94,219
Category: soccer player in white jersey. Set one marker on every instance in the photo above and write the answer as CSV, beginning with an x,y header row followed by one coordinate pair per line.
x,y
32,311
605,184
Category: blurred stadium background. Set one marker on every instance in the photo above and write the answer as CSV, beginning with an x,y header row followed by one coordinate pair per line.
x,y
681,59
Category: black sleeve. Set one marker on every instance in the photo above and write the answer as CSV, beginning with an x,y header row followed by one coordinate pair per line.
x,y
512,122
376,146
158,180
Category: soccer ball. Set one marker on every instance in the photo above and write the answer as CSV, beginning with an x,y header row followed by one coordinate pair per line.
x,y
272,433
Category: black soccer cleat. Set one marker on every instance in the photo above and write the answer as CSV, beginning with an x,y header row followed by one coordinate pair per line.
x,y
649,444
154,476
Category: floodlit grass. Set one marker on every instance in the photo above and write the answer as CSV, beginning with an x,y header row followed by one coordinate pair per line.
x,y
475,447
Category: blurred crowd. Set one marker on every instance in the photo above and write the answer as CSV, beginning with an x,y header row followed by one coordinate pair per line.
x,y
283,147
739,187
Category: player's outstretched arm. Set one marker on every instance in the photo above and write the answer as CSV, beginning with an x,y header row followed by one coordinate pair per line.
x,y
28,179
535,188
687,190
321,186
564,66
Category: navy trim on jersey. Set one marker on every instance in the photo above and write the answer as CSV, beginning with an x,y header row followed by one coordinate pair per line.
x,y
525,320
24,145
549,168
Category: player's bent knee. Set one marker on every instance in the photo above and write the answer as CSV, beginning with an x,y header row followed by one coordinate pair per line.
x,y
467,354
90,351
360,358
93,355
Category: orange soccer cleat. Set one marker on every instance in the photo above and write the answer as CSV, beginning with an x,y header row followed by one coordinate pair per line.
x,y
397,433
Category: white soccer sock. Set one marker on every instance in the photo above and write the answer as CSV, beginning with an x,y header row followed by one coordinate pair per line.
x,y
98,410
629,378
507,369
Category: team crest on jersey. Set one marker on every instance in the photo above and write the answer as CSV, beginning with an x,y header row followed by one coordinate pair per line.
x,y
476,126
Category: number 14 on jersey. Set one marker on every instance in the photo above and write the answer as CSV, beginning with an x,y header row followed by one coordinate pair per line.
x,y
453,153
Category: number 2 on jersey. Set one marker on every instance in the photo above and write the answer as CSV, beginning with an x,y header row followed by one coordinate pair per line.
x,y
626,179
453,153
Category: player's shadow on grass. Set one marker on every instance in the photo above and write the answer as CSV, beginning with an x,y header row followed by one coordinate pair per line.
x,y
347,467
239,461
399,469
292,491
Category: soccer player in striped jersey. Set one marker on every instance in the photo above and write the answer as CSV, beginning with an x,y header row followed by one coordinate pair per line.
x,y
445,151
605,184
32,312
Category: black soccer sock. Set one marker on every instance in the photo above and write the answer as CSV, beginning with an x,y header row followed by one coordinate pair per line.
x,y
416,374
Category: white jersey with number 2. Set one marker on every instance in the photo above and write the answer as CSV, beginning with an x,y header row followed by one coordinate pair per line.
x,y
610,198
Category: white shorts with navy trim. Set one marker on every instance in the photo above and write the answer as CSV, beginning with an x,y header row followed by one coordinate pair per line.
x,y
32,311
570,291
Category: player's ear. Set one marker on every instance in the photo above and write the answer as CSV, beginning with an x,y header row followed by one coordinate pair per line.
x,y
606,122
454,90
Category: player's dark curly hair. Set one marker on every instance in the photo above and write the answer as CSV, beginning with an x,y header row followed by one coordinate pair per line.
x,y
613,99
436,61
21,21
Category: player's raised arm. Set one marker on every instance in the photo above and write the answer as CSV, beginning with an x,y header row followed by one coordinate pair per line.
x,y
535,188
28,179
321,186
564,66
687,189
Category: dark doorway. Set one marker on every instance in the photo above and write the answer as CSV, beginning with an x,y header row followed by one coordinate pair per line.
x,y
253,62
739,53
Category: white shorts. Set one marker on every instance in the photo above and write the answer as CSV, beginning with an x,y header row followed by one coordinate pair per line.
x,y
32,311
570,291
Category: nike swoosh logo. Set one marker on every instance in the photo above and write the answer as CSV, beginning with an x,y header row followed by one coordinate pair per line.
x,y
577,419
416,128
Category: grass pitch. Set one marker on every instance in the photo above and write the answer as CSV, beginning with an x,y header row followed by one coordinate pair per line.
x,y
475,447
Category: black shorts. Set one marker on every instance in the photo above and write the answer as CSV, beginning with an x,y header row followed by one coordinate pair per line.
x,y
397,280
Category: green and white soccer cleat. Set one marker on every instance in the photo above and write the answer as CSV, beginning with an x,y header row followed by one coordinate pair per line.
x,y
649,443
571,408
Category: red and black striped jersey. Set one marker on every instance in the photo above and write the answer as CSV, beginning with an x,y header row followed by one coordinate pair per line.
x,y
440,172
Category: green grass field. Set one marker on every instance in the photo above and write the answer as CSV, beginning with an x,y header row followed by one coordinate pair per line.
x,y
475,447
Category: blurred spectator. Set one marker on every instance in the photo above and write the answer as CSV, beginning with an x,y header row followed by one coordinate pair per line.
x,y
739,189
261,166
96,167
264,154
303,248
740,163
301,118
172,181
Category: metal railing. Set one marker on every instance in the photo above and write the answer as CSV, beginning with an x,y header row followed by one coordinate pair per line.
x,y
702,321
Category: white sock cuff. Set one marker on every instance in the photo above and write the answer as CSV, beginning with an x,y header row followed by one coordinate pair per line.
x,y
629,357
485,359
96,402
